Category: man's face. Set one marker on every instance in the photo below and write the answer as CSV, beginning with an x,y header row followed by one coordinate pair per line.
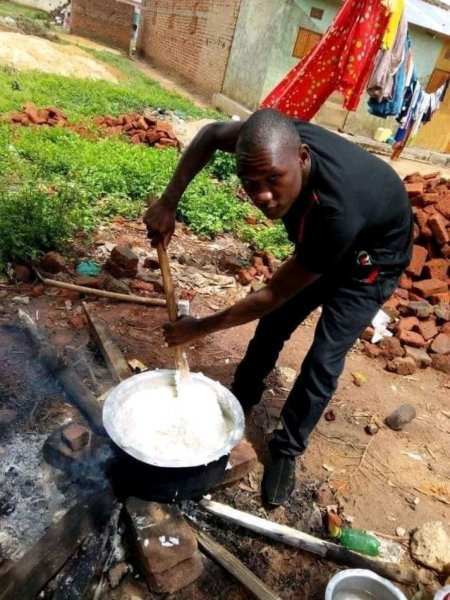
x,y
272,177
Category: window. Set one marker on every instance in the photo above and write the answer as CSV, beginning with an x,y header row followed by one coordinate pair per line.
x,y
316,13
305,42
438,77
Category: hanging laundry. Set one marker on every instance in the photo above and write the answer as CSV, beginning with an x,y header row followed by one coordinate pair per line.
x,y
393,24
342,61
387,64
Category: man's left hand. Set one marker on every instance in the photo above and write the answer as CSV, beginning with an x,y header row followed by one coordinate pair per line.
x,y
182,332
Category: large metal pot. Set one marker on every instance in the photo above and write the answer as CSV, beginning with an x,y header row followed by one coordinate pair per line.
x,y
156,477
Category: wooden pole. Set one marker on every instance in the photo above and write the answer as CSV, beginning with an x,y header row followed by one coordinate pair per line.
x,y
234,566
323,548
102,293
172,309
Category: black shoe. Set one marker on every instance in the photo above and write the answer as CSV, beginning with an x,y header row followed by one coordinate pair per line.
x,y
278,481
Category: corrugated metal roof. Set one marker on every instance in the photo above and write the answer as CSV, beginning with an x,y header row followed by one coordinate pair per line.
x,y
428,16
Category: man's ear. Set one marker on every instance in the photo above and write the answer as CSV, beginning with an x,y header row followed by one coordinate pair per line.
x,y
304,155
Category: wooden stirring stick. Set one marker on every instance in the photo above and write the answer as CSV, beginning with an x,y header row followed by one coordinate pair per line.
x,y
180,357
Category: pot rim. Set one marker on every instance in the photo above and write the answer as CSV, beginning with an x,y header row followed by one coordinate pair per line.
x,y
361,574
229,404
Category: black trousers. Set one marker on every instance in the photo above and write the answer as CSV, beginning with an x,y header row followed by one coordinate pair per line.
x,y
348,306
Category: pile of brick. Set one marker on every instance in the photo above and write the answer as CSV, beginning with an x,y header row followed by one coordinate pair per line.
x,y
32,115
140,129
420,306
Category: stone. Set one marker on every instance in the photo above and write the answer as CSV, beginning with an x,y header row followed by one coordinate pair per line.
x,y
53,262
430,545
445,328
428,287
419,356
156,282
391,348
160,534
95,283
402,366
401,416
117,573
441,362
324,495
176,578
419,256
75,436
441,344
230,264
372,350
116,285
151,263
411,338
22,273
287,375
428,329
371,429
442,312
37,290
7,416
123,262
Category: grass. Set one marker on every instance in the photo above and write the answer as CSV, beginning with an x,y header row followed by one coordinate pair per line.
x,y
9,9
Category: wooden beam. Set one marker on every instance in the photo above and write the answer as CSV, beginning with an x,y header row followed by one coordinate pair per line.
x,y
111,352
31,573
234,566
323,548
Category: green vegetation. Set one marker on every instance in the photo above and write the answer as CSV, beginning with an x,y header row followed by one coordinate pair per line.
x,y
55,185
9,9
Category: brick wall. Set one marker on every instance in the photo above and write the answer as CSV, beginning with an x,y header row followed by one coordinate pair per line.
x,y
190,37
105,21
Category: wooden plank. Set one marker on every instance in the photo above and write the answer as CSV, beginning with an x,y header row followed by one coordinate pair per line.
x,y
40,564
234,566
111,352
304,541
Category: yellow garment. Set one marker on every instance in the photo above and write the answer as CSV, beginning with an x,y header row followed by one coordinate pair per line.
x,y
396,6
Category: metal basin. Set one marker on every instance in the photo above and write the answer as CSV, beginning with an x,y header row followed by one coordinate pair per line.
x,y
361,584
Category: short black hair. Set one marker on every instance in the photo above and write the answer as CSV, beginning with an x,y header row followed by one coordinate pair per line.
x,y
268,127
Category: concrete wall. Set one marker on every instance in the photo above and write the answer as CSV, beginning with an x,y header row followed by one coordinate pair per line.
x,y
106,21
191,37
426,48
46,5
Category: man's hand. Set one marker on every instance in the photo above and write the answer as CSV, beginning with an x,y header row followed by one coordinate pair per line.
x,y
160,221
182,332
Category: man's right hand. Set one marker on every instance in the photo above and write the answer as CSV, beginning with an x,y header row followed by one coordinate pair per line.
x,y
160,221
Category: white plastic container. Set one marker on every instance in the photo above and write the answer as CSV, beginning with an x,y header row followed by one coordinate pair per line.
x,y
443,593
361,584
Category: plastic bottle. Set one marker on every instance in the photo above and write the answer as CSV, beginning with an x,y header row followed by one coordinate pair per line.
x,y
359,541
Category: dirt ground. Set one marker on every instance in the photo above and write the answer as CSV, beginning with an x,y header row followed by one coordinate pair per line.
x,y
29,52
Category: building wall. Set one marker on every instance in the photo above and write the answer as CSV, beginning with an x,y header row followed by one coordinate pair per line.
x,y
46,5
191,37
106,21
426,48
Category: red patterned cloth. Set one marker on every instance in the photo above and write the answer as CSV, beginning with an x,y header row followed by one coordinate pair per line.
x,y
342,61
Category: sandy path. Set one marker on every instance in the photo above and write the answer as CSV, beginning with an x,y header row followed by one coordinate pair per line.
x,y
31,52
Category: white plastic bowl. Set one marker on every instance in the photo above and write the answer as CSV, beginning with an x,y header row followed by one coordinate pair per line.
x,y
361,583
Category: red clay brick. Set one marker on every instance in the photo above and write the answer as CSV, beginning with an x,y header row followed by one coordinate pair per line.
x,y
422,222
441,362
391,347
443,206
411,338
437,268
414,189
437,225
372,350
405,282
445,250
445,328
419,256
429,287
441,344
407,324
428,329
430,198
141,286
242,461
403,294
75,436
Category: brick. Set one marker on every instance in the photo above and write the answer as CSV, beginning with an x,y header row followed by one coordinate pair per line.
x,y
437,268
430,198
445,250
421,309
419,356
422,222
434,175
176,578
403,294
437,225
242,461
419,256
411,338
37,291
151,263
405,282
367,334
75,436
441,344
416,232
53,262
414,189
442,312
407,324
442,298
443,206
402,366
123,262
95,283
372,350
428,287
244,277
78,321
141,286
391,347
445,328
160,534
428,329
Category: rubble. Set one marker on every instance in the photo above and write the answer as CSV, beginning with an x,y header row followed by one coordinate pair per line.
x,y
123,262
53,262
137,128
430,545
401,416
